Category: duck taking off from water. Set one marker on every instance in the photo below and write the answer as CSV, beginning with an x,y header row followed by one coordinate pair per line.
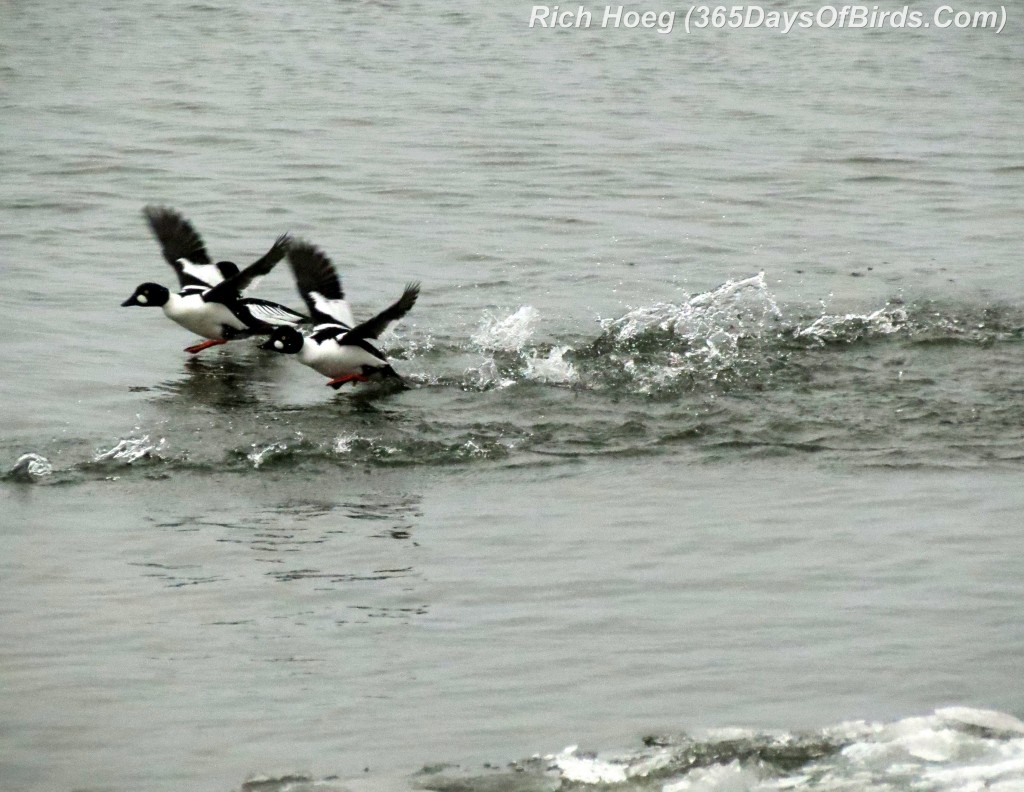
x,y
337,348
210,301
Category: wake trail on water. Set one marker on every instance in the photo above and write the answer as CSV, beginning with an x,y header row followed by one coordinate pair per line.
x,y
955,749
729,370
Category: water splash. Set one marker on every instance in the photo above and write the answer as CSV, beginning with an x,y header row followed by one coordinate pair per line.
x,y
719,317
503,344
506,335
472,449
651,380
489,375
829,329
551,369
259,455
732,777
132,449
343,443
953,750
30,467
582,769
711,334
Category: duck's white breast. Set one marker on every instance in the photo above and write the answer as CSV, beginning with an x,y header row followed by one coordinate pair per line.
x,y
202,318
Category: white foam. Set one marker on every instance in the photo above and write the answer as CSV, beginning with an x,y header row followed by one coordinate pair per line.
x,y
722,733
489,375
583,769
985,719
502,336
510,334
471,449
732,777
553,368
980,775
30,467
734,309
343,443
884,321
587,770
132,449
936,755
956,749
931,745
708,330
259,455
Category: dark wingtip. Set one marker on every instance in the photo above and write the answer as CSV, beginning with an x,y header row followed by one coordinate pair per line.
x,y
411,294
314,271
299,247
154,213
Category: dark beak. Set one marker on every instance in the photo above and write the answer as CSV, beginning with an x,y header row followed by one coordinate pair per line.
x,y
129,302
268,345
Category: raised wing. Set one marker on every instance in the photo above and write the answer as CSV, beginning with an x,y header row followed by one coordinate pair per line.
x,y
184,250
328,330
372,328
319,285
273,313
241,281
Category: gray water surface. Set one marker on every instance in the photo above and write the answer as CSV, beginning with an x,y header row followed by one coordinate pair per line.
x,y
714,419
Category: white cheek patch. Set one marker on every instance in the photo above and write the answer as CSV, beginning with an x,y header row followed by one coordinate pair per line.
x,y
142,299
279,344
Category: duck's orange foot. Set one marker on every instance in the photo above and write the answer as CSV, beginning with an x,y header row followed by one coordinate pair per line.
x,y
339,381
197,348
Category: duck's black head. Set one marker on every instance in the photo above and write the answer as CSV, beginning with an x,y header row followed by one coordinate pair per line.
x,y
148,295
286,340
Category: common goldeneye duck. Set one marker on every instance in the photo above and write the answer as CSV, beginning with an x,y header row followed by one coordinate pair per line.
x,y
210,302
286,340
336,348
149,294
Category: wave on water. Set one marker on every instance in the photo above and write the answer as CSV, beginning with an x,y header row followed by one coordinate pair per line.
x,y
132,449
699,340
728,373
956,749
30,467
711,324
510,354
733,336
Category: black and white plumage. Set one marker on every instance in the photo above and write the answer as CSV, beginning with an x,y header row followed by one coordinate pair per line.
x,y
337,348
184,250
210,302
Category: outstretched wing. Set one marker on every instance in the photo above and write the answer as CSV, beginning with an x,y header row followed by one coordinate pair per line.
x,y
319,285
328,330
241,281
273,313
372,328
183,249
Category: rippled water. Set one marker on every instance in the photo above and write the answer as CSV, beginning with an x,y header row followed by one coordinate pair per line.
x,y
710,463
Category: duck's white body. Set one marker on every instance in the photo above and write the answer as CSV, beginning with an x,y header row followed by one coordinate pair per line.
x,y
334,359
336,348
206,319
210,302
